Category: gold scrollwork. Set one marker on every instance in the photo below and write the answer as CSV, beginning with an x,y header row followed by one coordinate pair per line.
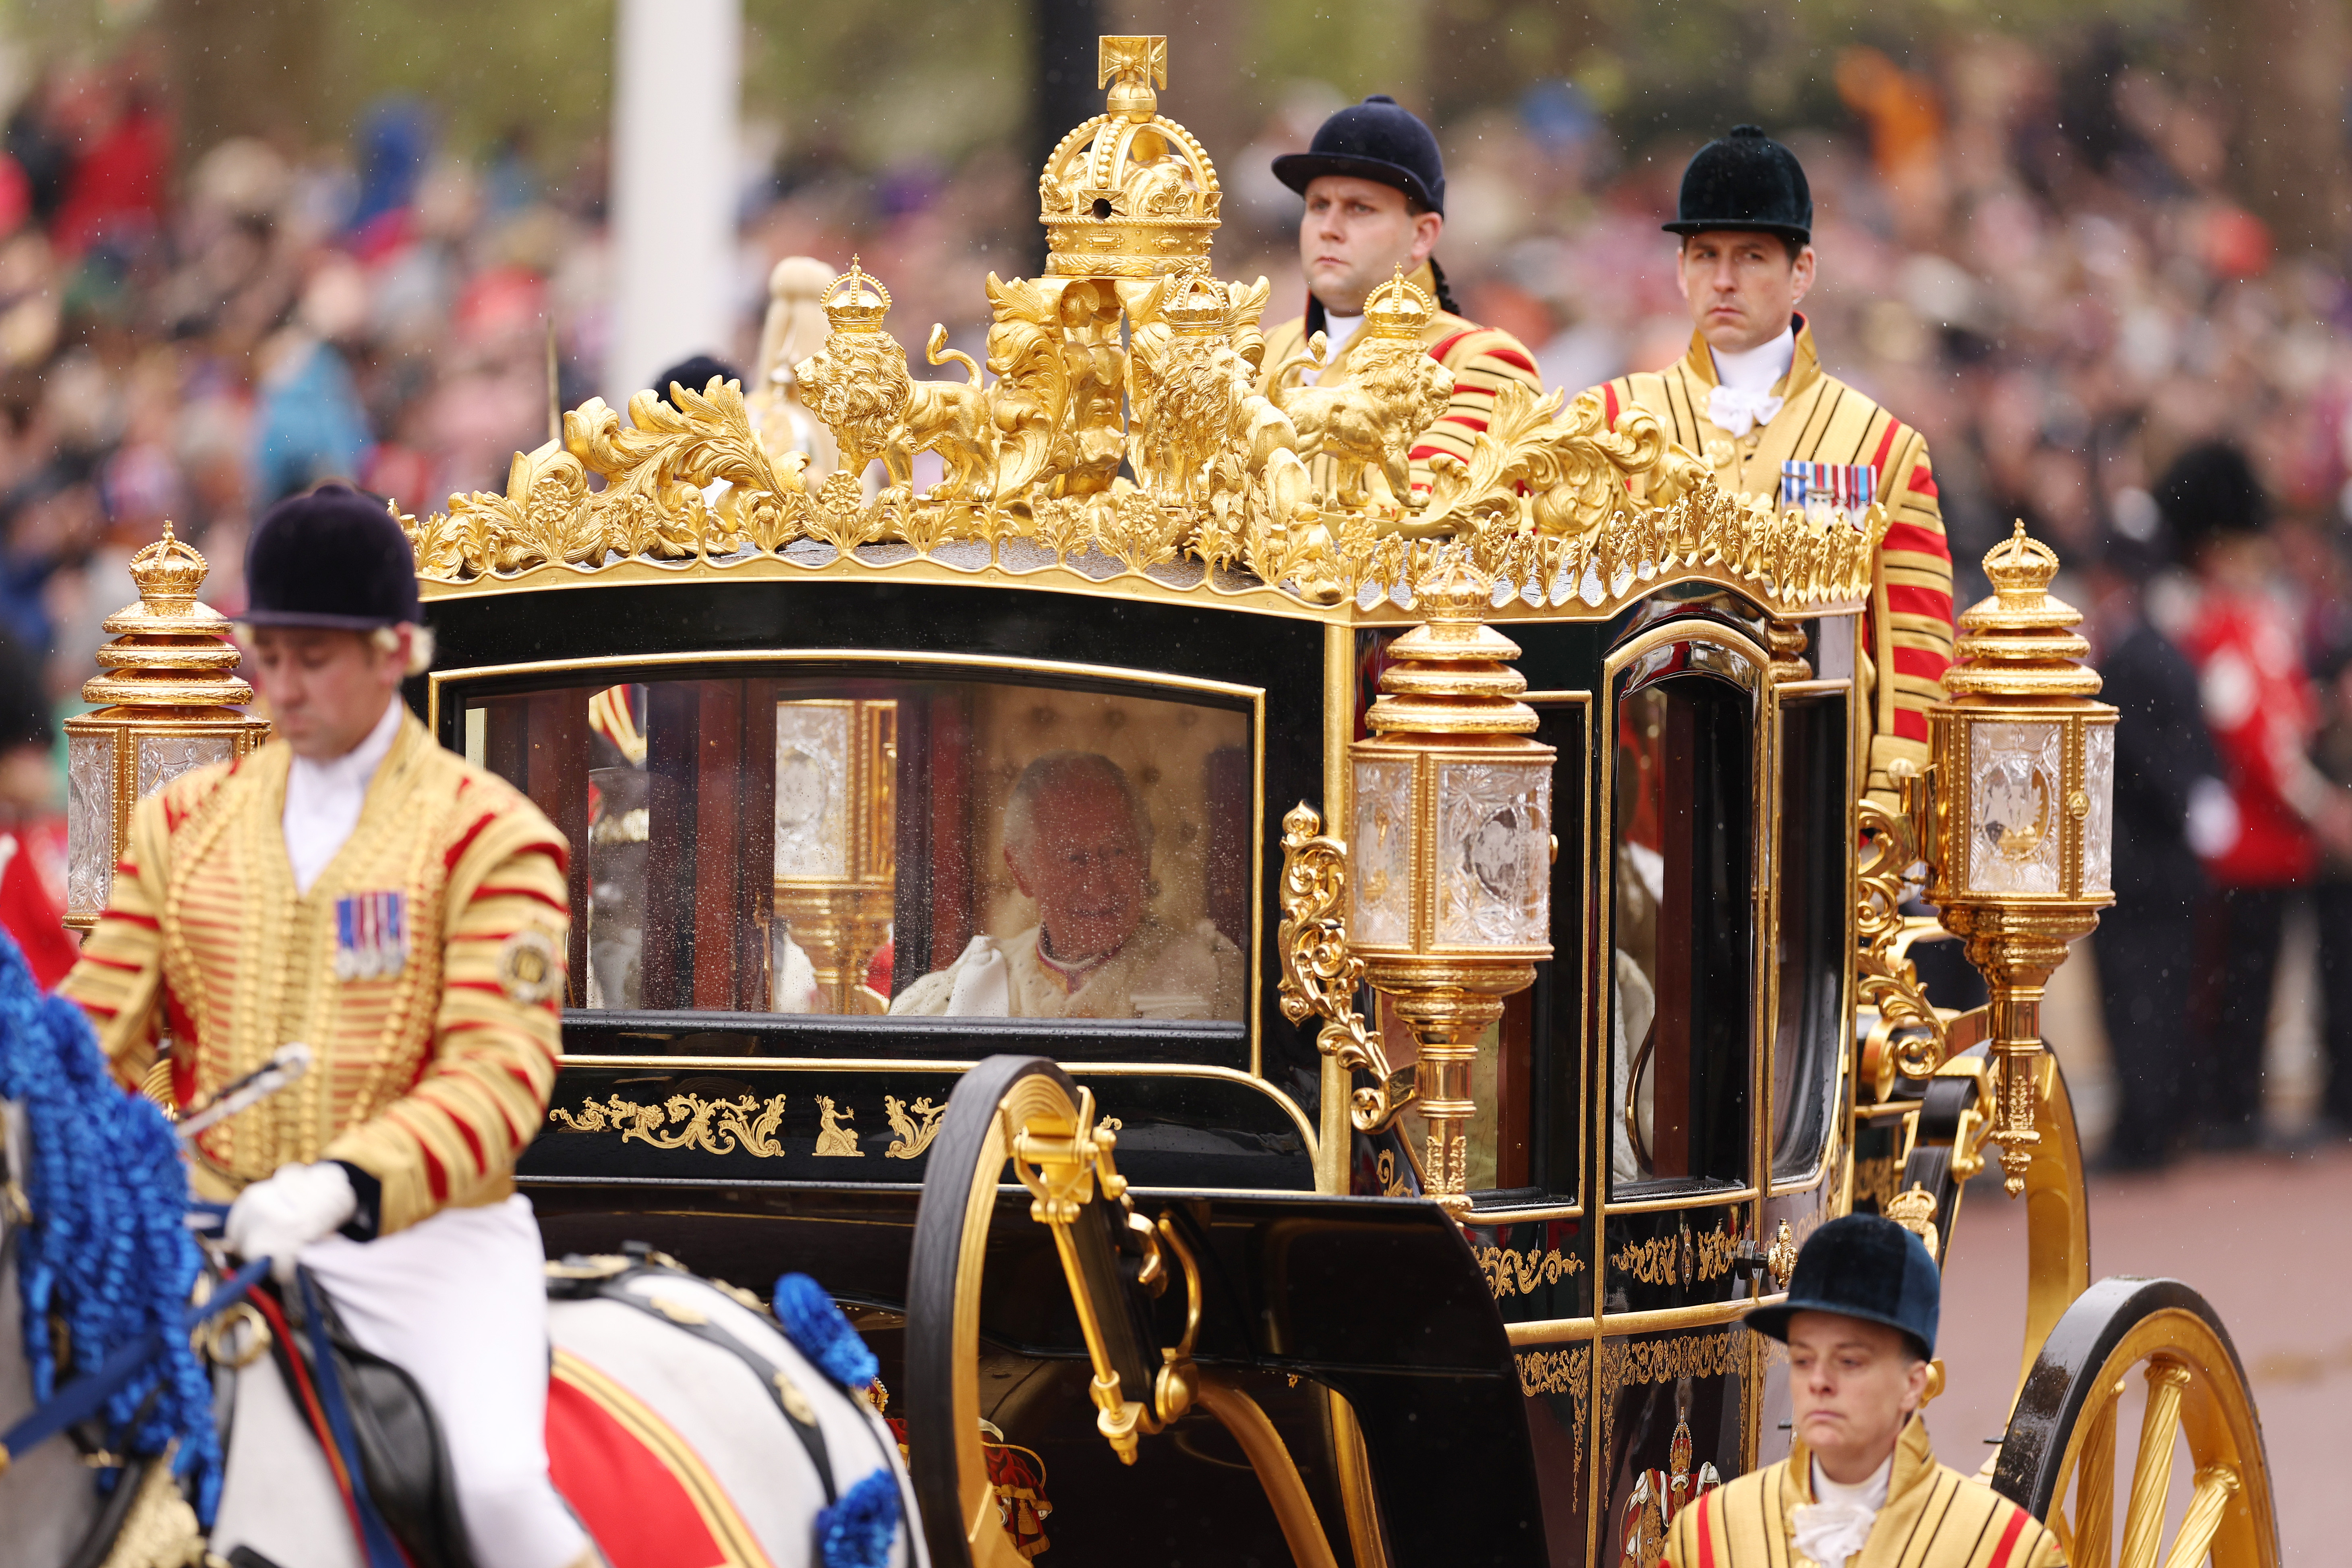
x,y
1508,1269
1634,1364
916,1131
1565,1371
713,1126
1683,1257
1876,1180
1910,1035
1320,975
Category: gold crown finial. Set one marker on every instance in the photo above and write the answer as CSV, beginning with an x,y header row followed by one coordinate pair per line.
x,y
1198,307
1132,66
2021,568
168,649
1398,310
862,305
168,573
1130,192
2017,642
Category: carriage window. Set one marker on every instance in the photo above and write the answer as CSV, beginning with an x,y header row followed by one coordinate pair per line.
x,y
808,844
1680,923
1808,946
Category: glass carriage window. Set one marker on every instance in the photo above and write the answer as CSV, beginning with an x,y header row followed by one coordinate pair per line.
x,y
1681,924
1808,947
823,845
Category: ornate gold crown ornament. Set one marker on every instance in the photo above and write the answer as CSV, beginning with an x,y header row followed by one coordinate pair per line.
x,y
1133,434
169,700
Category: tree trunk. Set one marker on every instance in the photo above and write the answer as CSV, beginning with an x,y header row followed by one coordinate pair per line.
x,y
250,67
2285,61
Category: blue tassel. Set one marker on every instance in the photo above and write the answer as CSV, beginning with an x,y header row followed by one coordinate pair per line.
x,y
821,1331
107,1251
856,1531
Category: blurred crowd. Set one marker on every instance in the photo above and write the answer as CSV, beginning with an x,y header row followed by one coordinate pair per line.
x,y
2036,257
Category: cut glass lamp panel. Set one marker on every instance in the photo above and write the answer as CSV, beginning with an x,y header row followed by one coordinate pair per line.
x,y
1493,854
1381,849
162,758
2099,822
2014,806
89,823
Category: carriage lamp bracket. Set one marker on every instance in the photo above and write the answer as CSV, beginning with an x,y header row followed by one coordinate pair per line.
x,y
1065,1171
1320,975
1911,1037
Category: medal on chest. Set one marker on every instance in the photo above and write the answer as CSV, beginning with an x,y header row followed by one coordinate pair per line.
x,y
1838,486
371,935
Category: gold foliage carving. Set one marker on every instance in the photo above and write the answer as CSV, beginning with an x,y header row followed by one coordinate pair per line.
x,y
1683,1257
713,1126
1508,1269
1634,1363
915,1131
1565,510
1565,1371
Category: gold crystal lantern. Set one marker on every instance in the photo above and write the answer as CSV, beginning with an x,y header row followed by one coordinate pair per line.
x,y
2020,845
1449,875
168,701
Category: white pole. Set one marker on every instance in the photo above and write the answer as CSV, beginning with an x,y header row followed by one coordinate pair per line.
x,y
678,74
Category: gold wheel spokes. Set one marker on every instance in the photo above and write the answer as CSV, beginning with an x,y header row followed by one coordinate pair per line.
x,y
2158,1378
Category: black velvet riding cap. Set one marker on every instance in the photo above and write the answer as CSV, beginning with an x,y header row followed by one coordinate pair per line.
x,y
333,558
1861,1267
1376,140
1745,181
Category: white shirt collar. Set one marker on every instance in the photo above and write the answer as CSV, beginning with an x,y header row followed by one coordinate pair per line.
x,y
1760,369
1336,331
1870,1494
323,799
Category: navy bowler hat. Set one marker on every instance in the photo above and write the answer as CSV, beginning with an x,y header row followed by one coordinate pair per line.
x,y
1745,181
1376,140
1861,1267
333,558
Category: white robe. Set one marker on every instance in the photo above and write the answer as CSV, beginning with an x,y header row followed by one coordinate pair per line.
x,y
1158,972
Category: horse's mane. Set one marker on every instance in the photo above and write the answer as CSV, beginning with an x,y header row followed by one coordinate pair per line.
x,y
107,1252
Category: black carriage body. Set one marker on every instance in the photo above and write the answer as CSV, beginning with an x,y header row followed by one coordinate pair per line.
x,y
1515,1378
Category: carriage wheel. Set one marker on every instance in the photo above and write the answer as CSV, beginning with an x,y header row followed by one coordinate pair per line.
x,y
967,1162
2068,1430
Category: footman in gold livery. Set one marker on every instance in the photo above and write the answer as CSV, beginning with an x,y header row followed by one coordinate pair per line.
x,y
1495,1003
1860,1487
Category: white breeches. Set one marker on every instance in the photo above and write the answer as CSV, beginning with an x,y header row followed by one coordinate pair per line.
x,y
460,1302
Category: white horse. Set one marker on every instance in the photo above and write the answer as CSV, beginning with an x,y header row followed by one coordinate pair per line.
x,y
676,1405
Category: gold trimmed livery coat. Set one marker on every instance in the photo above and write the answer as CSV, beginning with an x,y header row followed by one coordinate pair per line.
x,y
432,1077
1934,1518
1481,358
1908,633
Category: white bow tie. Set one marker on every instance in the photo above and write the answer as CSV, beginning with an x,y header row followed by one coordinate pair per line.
x,y
1738,411
1831,1532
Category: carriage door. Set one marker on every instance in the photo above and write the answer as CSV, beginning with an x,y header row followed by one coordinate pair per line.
x,y
1678,913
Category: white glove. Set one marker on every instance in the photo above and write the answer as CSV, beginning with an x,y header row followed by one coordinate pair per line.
x,y
278,1217
984,987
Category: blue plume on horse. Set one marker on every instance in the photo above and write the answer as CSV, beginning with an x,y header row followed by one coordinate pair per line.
x,y
106,1252
821,1333
856,1531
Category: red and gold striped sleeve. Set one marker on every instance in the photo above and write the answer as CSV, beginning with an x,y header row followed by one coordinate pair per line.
x,y
482,1094
1910,637
1483,359
118,979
